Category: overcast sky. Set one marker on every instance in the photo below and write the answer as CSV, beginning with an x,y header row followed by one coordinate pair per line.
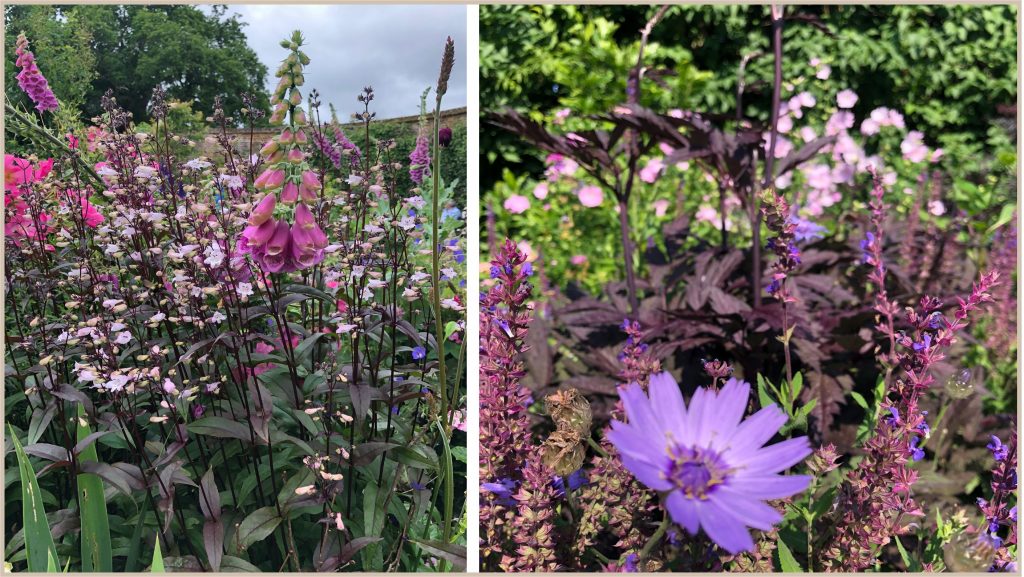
x,y
395,49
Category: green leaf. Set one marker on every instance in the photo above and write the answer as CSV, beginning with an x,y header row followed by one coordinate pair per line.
x,y
38,539
806,409
1005,216
231,564
96,549
786,560
912,564
455,554
860,400
796,386
158,558
257,526
762,392
416,456
460,454
373,524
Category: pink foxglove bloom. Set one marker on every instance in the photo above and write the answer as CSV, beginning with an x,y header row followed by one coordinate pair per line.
x,y
419,160
290,193
712,465
517,204
270,178
278,250
309,187
31,79
590,196
264,210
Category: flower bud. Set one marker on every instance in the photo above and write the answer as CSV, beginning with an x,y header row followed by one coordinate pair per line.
x,y
299,116
278,156
269,148
290,192
444,137
295,156
300,137
286,137
271,178
295,97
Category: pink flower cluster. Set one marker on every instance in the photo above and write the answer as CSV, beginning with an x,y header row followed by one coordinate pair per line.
x,y
21,223
31,80
274,243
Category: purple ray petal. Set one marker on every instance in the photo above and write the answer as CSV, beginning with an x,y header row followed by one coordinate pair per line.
x,y
724,529
751,512
753,433
683,512
668,406
778,457
769,486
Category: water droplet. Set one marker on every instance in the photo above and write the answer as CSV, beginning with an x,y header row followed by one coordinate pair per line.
x,y
960,385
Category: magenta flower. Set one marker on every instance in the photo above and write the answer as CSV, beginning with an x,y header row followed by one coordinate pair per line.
x,y
715,470
419,160
590,196
31,79
517,204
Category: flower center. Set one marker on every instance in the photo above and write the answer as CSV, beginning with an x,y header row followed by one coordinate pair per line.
x,y
696,471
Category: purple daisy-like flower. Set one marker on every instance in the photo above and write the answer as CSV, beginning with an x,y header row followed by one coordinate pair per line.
x,y
713,470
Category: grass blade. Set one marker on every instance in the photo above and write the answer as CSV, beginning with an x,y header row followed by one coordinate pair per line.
x,y
39,545
92,506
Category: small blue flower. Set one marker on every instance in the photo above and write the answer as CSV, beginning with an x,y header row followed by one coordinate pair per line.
x,y
419,353
528,269
452,213
999,450
807,230
925,344
495,271
502,489
916,453
630,565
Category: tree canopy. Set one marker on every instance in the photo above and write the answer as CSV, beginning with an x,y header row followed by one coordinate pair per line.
x,y
85,50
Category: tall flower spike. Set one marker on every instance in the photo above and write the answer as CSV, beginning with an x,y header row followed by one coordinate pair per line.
x,y
287,178
31,79
712,466
505,439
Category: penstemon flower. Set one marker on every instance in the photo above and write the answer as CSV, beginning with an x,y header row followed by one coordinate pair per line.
x,y
713,468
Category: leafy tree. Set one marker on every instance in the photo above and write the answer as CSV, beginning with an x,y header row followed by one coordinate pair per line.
x,y
86,50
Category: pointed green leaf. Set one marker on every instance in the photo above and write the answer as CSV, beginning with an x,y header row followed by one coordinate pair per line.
x,y
158,558
786,560
96,549
38,539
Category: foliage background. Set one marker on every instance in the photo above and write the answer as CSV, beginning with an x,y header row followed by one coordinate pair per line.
x,y
951,70
89,49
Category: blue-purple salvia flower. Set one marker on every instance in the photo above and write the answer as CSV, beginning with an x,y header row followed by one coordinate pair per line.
x,y
807,230
715,468
419,353
999,450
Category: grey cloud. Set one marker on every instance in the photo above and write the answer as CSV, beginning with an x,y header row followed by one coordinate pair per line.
x,y
396,49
